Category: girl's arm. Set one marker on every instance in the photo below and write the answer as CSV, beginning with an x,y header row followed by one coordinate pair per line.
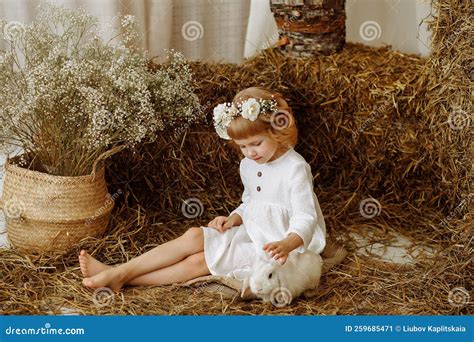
x,y
279,250
245,197
303,220
293,241
235,219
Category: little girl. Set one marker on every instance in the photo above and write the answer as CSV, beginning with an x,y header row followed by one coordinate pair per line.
x,y
279,211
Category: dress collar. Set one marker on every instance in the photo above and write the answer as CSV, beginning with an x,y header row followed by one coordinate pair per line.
x,y
280,158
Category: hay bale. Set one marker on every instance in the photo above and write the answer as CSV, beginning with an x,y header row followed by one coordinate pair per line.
x,y
359,130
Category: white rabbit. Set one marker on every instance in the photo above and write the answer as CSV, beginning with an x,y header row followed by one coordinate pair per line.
x,y
280,284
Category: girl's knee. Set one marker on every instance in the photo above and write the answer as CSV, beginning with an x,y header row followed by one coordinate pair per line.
x,y
194,239
196,259
197,264
194,233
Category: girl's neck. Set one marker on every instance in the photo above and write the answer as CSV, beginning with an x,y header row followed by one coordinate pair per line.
x,y
278,153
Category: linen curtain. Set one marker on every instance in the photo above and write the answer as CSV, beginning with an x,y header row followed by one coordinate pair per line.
x,y
230,30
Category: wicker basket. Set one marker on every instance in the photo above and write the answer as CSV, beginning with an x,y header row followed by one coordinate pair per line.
x,y
50,214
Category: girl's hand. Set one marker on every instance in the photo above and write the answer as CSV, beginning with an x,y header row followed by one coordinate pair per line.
x,y
278,250
222,223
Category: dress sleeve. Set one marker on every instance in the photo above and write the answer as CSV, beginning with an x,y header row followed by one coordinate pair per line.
x,y
304,217
245,195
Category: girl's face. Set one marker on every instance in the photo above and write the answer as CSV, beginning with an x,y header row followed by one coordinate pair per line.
x,y
260,148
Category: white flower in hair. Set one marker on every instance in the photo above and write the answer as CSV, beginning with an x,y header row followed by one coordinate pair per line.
x,y
251,109
224,113
220,111
222,132
222,119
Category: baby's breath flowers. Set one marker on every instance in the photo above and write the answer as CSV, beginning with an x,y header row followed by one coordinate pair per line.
x,y
66,96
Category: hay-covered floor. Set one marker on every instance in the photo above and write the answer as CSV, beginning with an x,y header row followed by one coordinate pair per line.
x,y
374,124
362,285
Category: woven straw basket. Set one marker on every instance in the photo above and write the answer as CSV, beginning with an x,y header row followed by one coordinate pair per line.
x,y
50,214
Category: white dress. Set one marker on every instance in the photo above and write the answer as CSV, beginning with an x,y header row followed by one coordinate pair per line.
x,y
278,199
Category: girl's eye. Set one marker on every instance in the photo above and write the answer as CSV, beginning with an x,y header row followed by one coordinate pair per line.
x,y
259,143
270,275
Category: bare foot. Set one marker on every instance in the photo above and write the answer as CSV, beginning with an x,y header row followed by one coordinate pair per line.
x,y
112,278
89,265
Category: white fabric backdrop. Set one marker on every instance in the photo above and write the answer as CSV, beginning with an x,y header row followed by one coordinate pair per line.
x,y
372,22
229,30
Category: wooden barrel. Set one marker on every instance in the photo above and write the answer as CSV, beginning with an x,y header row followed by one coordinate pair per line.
x,y
308,27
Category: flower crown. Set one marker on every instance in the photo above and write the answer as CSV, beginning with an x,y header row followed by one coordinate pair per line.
x,y
224,113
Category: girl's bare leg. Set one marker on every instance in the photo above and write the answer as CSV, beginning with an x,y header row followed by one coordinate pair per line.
x,y
167,254
191,267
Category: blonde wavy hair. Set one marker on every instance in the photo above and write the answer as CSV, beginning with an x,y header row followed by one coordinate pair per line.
x,y
279,126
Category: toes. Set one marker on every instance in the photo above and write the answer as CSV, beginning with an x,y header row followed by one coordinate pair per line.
x,y
84,271
84,254
88,282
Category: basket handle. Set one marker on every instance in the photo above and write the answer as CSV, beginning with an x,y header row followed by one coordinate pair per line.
x,y
104,156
